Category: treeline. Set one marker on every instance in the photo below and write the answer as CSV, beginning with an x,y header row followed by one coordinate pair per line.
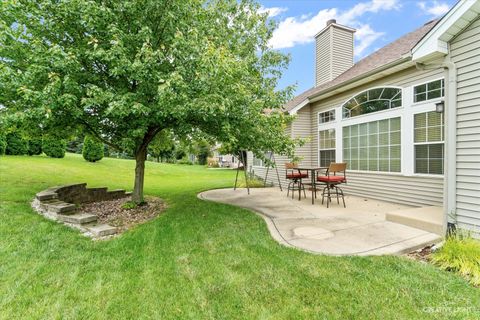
x,y
164,148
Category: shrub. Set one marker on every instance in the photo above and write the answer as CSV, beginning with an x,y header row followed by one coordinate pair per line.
x,y
184,161
129,205
16,145
54,147
212,163
252,183
460,254
3,144
34,147
92,149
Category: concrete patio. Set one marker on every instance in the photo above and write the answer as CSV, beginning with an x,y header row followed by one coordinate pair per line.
x,y
359,229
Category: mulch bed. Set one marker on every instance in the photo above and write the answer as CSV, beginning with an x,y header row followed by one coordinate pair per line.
x,y
112,213
422,255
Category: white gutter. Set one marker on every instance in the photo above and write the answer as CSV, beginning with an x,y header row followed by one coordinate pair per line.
x,y
450,151
450,184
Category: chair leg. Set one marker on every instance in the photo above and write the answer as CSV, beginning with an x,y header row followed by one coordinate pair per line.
x,y
323,193
336,191
343,197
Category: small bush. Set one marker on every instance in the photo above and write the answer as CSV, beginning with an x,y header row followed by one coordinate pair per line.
x,y
212,163
34,147
460,254
54,147
129,205
16,145
92,149
252,183
184,161
3,144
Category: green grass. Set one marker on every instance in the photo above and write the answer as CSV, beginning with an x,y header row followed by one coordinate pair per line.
x,y
460,254
198,260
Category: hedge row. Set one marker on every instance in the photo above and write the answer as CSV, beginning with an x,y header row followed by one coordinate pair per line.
x,y
14,144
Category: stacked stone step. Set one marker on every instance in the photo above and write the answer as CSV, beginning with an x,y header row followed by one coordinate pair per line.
x,y
66,212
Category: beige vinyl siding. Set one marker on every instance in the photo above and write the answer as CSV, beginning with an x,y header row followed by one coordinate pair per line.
x,y
323,57
414,190
342,51
465,53
301,129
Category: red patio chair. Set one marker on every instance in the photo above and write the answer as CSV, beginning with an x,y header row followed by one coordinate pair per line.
x,y
295,176
335,175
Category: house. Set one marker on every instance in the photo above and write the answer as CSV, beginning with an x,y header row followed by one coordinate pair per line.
x,y
406,118
225,160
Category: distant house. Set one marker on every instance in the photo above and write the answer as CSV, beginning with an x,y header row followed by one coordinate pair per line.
x,y
224,160
406,118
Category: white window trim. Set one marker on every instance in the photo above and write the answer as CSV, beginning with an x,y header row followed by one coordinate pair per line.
x,y
318,141
323,111
372,88
425,109
406,113
434,100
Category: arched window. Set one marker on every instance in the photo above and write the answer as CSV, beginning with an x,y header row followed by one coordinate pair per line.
x,y
372,100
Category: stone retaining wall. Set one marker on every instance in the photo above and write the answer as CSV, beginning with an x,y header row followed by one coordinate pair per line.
x,y
79,193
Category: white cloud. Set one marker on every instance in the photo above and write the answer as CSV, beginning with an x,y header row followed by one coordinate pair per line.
x,y
434,8
273,11
366,36
293,31
374,6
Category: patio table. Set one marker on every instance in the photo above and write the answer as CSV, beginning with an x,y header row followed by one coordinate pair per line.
x,y
312,171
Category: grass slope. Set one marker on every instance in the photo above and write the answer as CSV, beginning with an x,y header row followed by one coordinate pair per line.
x,y
199,260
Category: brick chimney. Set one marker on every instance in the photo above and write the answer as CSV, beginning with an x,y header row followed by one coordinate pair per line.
x,y
333,51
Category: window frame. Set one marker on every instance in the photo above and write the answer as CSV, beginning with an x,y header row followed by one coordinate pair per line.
x,y
334,149
367,122
375,112
414,144
328,122
433,100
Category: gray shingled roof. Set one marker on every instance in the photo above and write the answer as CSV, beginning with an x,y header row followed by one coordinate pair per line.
x,y
388,54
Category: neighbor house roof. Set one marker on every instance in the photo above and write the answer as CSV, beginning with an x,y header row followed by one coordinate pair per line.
x,y
384,56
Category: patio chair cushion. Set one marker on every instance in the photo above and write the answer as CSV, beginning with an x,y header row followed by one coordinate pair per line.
x,y
297,175
337,179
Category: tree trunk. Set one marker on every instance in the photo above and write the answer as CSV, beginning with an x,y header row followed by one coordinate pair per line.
x,y
140,158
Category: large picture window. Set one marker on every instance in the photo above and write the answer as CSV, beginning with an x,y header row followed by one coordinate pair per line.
x,y
372,100
373,146
429,146
428,91
326,144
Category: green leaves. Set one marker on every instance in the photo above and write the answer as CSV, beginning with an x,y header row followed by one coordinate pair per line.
x,y
122,70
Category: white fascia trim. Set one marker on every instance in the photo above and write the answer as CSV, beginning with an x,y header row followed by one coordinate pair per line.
x,y
434,44
299,106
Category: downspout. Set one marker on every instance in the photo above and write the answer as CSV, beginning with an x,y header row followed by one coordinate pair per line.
x,y
450,178
450,163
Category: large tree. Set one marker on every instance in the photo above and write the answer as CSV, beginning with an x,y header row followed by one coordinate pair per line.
x,y
125,70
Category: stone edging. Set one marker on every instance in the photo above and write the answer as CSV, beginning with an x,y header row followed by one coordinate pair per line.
x,y
61,203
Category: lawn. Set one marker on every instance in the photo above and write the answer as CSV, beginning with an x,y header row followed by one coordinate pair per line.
x,y
198,260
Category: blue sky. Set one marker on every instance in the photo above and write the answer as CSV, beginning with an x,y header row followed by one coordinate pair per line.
x,y
378,22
